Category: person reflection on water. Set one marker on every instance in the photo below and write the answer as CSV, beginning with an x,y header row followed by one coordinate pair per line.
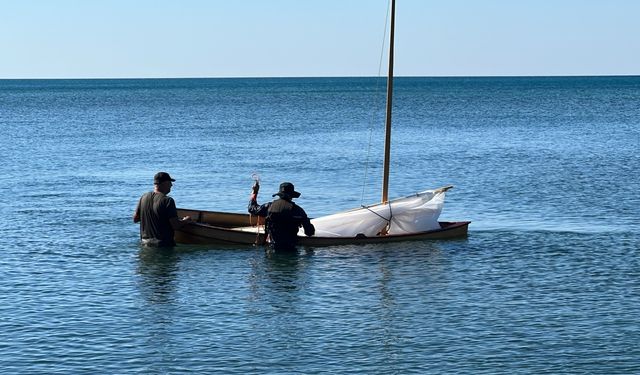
x,y
283,217
157,214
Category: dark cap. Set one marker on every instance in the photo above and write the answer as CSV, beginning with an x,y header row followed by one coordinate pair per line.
x,y
161,177
287,190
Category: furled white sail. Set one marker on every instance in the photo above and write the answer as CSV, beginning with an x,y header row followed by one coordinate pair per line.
x,y
412,214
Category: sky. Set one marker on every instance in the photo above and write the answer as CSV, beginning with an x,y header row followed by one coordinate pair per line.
x,y
316,38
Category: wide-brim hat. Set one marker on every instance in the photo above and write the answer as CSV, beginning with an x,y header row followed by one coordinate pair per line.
x,y
287,190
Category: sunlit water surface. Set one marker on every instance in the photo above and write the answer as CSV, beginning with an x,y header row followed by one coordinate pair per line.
x,y
548,280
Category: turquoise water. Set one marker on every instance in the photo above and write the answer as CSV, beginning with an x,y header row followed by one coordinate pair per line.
x,y
548,280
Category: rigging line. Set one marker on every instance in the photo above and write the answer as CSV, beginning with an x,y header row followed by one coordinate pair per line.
x,y
388,226
373,111
378,215
390,217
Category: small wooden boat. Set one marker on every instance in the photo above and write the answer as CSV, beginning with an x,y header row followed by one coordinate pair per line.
x,y
414,217
211,227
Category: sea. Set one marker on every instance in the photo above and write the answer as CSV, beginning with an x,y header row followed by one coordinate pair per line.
x,y
545,168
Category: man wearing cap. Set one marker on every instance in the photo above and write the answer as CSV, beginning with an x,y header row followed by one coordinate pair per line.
x,y
284,217
157,214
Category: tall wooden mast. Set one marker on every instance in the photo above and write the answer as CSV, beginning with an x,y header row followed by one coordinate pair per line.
x,y
387,138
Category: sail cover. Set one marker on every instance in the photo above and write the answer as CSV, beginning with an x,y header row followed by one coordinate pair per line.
x,y
412,214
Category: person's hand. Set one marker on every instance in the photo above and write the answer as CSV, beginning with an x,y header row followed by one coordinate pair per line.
x,y
186,219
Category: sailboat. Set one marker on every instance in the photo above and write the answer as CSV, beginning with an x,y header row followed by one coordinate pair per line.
x,y
413,217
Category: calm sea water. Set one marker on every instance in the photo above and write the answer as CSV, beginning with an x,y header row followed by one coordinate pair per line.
x,y
548,280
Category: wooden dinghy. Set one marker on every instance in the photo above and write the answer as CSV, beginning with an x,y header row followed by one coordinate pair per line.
x,y
211,227
413,217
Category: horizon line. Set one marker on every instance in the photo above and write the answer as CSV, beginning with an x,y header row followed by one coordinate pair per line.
x,y
318,77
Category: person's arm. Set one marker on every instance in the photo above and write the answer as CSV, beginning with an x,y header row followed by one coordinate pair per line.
x,y
253,207
179,223
172,212
136,213
309,229
258,209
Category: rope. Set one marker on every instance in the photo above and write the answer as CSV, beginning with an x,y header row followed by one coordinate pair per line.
x,y
388,226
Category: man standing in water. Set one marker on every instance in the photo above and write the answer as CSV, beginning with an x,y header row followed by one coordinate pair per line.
x,y
284,217
157,214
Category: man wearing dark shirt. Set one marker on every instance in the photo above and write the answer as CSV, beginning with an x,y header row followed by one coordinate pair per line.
x,y
157,214
284,217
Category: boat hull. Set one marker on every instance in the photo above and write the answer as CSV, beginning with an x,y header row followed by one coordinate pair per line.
x,y
210,227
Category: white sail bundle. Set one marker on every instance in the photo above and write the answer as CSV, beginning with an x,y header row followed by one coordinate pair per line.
x,y
412,214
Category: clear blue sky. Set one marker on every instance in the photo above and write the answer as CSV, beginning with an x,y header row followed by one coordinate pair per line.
x,y
266,38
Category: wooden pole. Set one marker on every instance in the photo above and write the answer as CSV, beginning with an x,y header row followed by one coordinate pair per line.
x,y
387,132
